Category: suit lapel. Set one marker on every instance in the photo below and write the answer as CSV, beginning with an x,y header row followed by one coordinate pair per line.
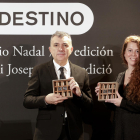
x,y
73,71
52,70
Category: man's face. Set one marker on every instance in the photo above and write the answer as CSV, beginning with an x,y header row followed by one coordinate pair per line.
x,y
61,48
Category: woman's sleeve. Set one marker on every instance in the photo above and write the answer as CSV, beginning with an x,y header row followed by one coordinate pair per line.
x,y
130,106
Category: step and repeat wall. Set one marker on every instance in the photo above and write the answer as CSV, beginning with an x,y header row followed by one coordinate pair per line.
x,y
98,29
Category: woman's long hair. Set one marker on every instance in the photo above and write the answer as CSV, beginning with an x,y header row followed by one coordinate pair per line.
x,y
133,92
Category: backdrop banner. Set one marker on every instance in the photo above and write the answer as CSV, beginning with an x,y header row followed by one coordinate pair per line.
x,y
98,29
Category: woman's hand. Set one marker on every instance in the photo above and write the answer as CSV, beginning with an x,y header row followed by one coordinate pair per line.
x,y
116,101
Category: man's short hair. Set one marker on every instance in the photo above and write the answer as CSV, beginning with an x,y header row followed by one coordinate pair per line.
x,y
61,34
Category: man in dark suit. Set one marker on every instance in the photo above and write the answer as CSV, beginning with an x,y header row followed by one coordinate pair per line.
x,y
59,118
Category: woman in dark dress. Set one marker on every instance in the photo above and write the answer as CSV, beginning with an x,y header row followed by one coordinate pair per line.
x,y
126,107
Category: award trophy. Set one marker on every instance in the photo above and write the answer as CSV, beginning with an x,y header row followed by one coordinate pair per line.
x,y
62,87
107,90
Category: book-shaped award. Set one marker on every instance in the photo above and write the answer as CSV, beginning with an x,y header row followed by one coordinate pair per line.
x,y
107,90
62,87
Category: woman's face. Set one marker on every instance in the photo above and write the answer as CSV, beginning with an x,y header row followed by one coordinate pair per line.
x,y
131,54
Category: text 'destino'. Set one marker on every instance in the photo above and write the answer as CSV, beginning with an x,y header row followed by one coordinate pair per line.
x,y
44,18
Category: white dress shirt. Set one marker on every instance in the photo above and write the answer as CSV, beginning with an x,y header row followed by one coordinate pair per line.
x,y
66,69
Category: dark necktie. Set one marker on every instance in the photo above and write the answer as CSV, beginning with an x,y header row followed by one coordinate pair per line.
x,y
62,76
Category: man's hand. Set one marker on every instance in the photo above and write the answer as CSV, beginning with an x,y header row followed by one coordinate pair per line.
x,y
97,89
54,99
75,87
